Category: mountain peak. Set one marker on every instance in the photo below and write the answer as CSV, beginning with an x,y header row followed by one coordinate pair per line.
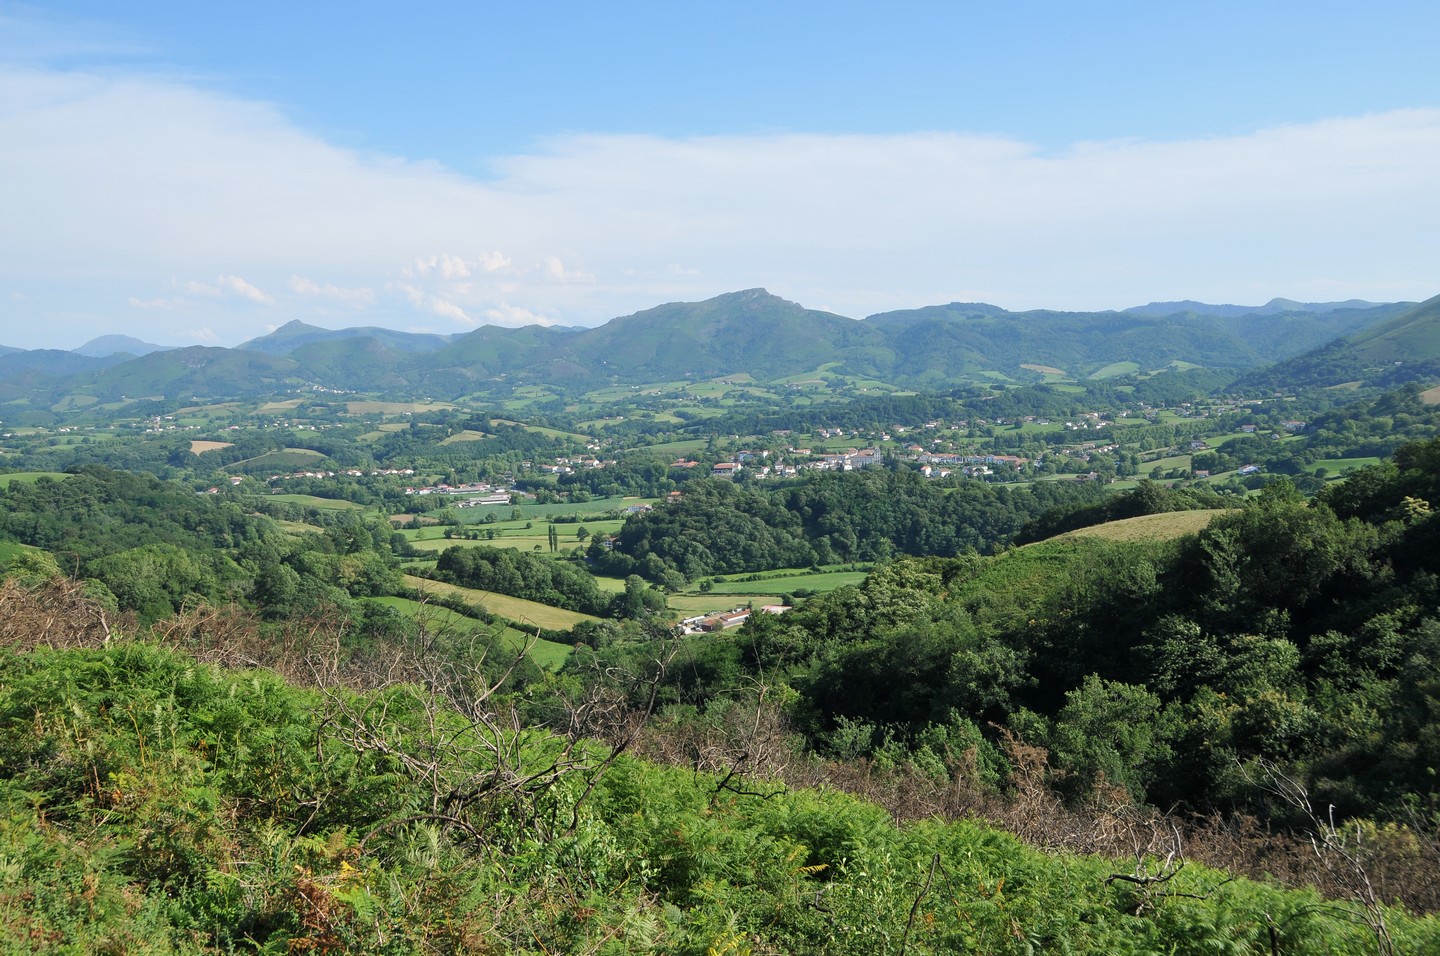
x,y
107,345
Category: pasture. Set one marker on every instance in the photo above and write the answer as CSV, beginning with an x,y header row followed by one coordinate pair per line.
x,y
518,610
546,654
29,477
776,583
1166,526
310,501
394,408
280,460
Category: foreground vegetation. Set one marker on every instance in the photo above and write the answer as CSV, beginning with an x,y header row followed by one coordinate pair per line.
x,y
153,804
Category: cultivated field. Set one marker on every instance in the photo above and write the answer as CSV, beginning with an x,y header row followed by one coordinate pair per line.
x,y
310,501
515,609
546,654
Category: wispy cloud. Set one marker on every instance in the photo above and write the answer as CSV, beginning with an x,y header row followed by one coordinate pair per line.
x,y
359,297
113,183
238,286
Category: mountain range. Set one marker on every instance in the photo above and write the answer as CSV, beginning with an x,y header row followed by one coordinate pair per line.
x,y
767,337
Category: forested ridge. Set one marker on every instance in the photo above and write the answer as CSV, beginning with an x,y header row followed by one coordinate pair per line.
x,y
717,528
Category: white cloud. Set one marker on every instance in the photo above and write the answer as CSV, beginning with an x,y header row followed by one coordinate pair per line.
x,y
111,184
438,305
308,287
493,261
245,290
509,315
156,303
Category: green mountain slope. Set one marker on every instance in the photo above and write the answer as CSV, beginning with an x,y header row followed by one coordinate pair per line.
x,y
199,372
293,335
1405,348
750,332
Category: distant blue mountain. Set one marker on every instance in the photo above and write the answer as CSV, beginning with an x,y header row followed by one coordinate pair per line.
x,y
107,345
1273,307
295,334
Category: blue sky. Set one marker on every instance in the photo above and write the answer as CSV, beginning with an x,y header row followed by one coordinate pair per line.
x,y
200,173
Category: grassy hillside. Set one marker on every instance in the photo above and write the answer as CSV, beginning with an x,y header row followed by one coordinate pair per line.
x,y
153,805
518,610
1158,527
1405,348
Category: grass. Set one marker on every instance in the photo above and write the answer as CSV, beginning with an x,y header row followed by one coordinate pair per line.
x,y
395,408
789,583
515,609
8,550
466,435
688,605
542,430
286,458
1431,396
29,477
1166,464
1337,466
310,501
1114,369
546,654
1161,527
529,512
200,447
299,527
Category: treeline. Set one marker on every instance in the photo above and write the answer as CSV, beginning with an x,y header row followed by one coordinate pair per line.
x,y
1292,635
157,548
719,528
523,575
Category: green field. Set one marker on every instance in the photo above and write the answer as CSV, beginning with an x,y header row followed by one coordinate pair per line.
x,y
546,654
285,458
464,436
1114,369
29,477
1159,527
518,610
8,550
395,408
542,430
528,512
689,605
789,583
1337,466
310,501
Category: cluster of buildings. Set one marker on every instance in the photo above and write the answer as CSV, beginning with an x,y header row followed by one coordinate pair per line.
x,y
707,623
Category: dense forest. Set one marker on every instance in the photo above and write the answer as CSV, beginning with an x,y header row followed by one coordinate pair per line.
x,y
1299,634
718,528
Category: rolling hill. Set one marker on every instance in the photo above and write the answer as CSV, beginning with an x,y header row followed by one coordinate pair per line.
x,y
750,332
107,345
293,335
1405,348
